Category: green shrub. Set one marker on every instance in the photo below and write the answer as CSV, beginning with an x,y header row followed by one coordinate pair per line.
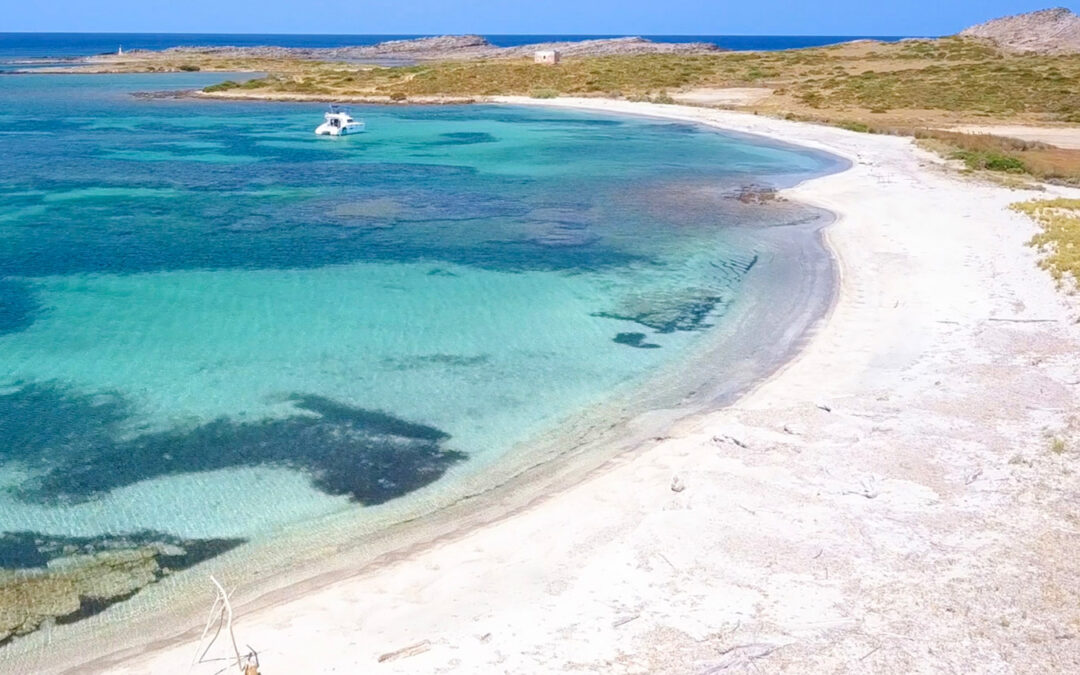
x,y
222,86
854,126
398,96
999,162
188,68
544,93
990,160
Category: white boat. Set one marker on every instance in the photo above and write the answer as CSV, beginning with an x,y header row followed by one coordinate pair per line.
x,y
339,123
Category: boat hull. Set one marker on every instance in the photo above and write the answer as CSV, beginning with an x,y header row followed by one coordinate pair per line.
x,y
347,130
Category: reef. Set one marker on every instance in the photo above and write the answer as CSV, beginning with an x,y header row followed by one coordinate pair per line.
x,y
46,578
76,446
634,340
668,313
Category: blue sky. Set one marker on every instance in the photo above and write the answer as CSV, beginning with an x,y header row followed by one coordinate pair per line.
x,y
624,17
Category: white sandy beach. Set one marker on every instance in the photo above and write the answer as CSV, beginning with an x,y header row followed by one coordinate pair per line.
x,y
891,501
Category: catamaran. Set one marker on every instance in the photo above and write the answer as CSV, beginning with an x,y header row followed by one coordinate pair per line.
x,y
339,123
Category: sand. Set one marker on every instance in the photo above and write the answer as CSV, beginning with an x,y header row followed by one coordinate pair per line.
x,y
891,501
723,96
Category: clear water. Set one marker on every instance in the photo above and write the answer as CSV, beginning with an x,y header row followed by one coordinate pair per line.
x,y
201,299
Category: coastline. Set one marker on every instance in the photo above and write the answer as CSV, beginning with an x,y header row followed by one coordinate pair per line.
x,y
794,266
636,577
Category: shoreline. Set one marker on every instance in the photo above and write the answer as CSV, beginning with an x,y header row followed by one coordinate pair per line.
x,y
925,359
592,441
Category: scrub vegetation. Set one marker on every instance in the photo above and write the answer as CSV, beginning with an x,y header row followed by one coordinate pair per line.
x,y
1001,154
895,82
1059,241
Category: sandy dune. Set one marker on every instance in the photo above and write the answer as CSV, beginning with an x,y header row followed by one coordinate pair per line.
x,y
892,501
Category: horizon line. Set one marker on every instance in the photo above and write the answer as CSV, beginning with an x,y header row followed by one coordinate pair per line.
x,y
481,34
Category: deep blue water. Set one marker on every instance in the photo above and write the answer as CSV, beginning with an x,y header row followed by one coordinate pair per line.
x,y
61,45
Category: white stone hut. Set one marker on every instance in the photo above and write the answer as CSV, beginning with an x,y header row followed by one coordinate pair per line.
x,y
547,57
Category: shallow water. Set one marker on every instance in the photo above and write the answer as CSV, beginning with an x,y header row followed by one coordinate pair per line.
x,y
202,299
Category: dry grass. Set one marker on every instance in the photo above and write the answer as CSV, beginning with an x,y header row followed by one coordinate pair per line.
x,y
985,152
1009,155
1059,241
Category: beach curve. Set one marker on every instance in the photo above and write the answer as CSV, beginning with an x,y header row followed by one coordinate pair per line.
x,y
762,554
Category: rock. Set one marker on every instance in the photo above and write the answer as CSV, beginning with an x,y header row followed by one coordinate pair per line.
x,y
72,587
755,194
724,438
1047,31
677,484
46,578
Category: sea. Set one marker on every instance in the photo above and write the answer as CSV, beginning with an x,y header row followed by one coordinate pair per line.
x,y
224,335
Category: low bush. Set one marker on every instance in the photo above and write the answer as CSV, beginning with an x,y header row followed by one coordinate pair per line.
x,y
1059,241
221,86
854,126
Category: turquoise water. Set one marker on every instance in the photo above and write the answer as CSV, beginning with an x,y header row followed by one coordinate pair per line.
x,y
204,299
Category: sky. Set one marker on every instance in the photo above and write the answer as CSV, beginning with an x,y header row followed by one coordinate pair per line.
x,y
615,17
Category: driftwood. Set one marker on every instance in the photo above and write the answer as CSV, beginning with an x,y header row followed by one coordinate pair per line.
x,y
625,620
406,652
740,657
222,608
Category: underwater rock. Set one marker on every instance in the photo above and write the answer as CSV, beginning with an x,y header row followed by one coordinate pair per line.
x,y
75,447
564,236
667,313
560,233
464,138
634,340
436,361
72,578
755,194
375,213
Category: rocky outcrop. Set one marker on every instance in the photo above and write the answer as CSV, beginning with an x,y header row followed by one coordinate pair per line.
x,y
1047,31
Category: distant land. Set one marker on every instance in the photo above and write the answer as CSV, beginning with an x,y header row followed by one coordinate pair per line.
x,y
75,45
450,47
